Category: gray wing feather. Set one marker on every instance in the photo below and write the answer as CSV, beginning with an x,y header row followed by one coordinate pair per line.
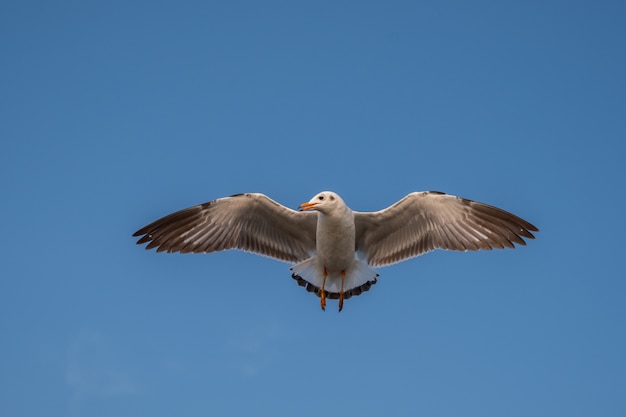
x,y
250,222
424,221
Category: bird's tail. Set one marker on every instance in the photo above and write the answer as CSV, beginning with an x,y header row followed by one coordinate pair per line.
x,y
310,275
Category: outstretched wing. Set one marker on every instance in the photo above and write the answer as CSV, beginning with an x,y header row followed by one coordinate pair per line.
x,y
251,222
424,221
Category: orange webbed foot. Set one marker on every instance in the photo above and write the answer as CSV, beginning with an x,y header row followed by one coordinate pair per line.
x,y
343,277
323,292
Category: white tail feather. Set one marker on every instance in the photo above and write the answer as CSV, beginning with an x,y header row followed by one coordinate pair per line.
x,y
359,277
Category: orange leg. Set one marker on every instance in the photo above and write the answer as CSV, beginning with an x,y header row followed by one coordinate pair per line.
x,y
343,277
323,292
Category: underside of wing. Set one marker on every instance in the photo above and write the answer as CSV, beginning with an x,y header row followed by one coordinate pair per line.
x,y
424,221
250,222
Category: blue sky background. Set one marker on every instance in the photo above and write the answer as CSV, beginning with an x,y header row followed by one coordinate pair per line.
x,y
117,113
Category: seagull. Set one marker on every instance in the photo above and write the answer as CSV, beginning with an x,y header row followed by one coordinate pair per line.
x,y
334,249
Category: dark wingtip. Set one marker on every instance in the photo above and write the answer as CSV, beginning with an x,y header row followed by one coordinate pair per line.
x,y
143,231
145,239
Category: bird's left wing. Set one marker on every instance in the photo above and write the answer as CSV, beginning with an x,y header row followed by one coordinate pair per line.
x,y
424,221
251,222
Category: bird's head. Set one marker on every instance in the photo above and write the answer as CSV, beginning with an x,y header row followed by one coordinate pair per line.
x,y
323,202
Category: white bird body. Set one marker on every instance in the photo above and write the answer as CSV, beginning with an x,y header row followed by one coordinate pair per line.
x,y
335,267
332,248
335,240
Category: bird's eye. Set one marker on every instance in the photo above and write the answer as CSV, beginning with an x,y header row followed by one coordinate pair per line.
x,y
320,197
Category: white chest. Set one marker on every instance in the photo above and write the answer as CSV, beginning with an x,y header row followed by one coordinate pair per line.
x,y
335,241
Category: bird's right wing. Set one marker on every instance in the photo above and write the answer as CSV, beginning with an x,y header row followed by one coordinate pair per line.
x,y
424,221
250,222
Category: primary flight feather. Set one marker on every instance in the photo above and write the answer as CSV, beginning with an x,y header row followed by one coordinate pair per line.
x,y
333,248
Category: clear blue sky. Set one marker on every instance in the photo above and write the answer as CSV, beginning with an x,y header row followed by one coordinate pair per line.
x,y
117,113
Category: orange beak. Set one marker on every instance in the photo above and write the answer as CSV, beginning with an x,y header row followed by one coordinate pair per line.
x,y
307,206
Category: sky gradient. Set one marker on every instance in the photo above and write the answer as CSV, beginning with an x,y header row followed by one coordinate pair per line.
x,y
117,113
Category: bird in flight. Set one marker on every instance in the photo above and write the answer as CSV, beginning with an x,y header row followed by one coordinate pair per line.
x,y
334,249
